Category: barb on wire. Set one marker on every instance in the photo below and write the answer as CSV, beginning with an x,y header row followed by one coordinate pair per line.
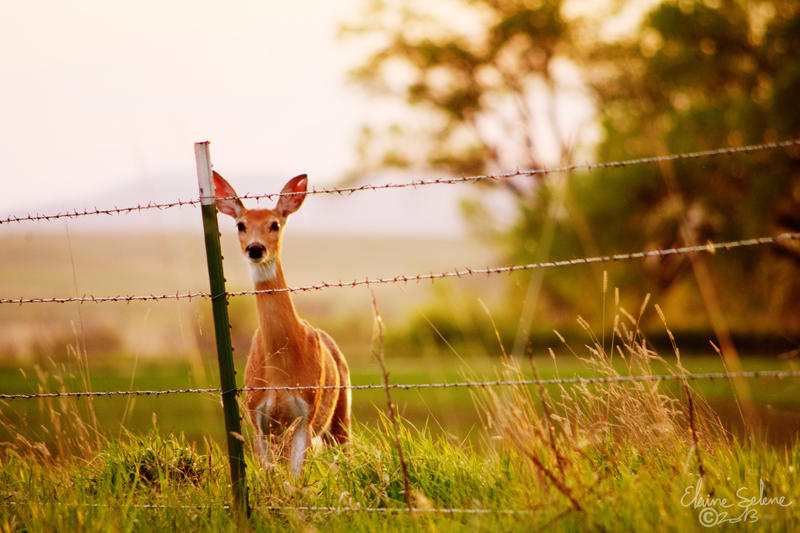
x,y
756,374
708,247
432,181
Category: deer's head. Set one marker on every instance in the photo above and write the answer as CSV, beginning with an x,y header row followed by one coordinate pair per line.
x,y
260,230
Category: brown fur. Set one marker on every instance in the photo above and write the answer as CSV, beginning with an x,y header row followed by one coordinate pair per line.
x,y
286,350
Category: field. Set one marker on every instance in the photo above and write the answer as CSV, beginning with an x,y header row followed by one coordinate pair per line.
x,y
164,469
616,458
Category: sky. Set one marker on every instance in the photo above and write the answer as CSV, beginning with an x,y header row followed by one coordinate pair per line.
x,y
102,102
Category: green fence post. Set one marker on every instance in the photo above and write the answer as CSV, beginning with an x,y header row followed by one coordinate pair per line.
x,y
219,303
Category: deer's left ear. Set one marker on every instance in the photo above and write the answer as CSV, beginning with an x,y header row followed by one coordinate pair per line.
x,y
296,187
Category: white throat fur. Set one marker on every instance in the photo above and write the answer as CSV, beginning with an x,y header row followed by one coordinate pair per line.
x,y
263,270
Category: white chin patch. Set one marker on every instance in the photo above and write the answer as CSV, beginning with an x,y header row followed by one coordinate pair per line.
x,y
263,270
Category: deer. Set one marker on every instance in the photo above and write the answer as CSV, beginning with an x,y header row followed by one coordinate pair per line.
x,y
285,351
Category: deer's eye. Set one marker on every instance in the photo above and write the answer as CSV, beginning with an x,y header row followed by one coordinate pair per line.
x,y
240,226
274,226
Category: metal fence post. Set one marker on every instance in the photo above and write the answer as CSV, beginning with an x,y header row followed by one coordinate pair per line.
x,y
219,302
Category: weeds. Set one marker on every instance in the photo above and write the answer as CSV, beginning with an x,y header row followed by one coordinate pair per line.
x,y
153,461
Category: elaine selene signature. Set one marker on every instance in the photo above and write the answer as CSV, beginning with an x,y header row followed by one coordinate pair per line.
x,y
714,511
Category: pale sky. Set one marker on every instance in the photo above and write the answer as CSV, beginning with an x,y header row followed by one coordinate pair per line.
x,y
101,96
101,103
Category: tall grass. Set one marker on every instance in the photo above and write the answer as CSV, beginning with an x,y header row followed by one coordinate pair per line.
x,y
71,427
560,431
614,457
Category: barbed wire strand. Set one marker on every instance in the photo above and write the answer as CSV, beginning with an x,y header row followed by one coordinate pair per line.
x,y
315,508
710,247
90,394
75,213
309,508
755,374
727,151
136,506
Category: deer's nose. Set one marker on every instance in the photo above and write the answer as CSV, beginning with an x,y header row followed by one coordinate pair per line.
x,y
255,250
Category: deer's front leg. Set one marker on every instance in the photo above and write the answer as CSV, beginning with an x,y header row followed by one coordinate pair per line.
x,y
301,441
262,440
301,436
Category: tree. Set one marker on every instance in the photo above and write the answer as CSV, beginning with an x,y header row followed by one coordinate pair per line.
x,y
698,76
693,76
471,71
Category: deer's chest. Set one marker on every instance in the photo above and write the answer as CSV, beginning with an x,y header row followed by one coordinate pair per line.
x,y
279,411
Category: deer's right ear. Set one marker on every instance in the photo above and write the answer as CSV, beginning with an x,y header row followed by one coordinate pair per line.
x,y
227,200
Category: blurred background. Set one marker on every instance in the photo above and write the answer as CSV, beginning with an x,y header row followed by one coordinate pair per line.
x,y
103,101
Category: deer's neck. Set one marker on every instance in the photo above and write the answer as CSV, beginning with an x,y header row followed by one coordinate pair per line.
x,y
281,327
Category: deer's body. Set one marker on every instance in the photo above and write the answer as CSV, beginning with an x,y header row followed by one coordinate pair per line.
x,y
286,351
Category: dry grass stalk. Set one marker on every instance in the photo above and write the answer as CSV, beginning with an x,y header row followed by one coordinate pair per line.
x,y
377,352
72,427
546,409
688,391
562,428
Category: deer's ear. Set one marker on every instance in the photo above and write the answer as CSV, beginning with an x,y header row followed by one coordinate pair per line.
x,y
297,186
227,200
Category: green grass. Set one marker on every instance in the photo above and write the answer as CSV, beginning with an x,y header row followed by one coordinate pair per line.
x,y
622,453
122,487
446,411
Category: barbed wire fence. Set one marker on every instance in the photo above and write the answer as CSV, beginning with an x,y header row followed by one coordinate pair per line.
x,y
727,151
207,198
709,247
703,376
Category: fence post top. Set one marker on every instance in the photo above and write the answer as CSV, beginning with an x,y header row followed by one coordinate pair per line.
x,y
202,156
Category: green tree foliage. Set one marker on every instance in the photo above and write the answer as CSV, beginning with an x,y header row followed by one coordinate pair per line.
x,y
698,76
692,76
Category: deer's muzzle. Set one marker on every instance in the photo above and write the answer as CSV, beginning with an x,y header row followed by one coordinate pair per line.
x,y
255,250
